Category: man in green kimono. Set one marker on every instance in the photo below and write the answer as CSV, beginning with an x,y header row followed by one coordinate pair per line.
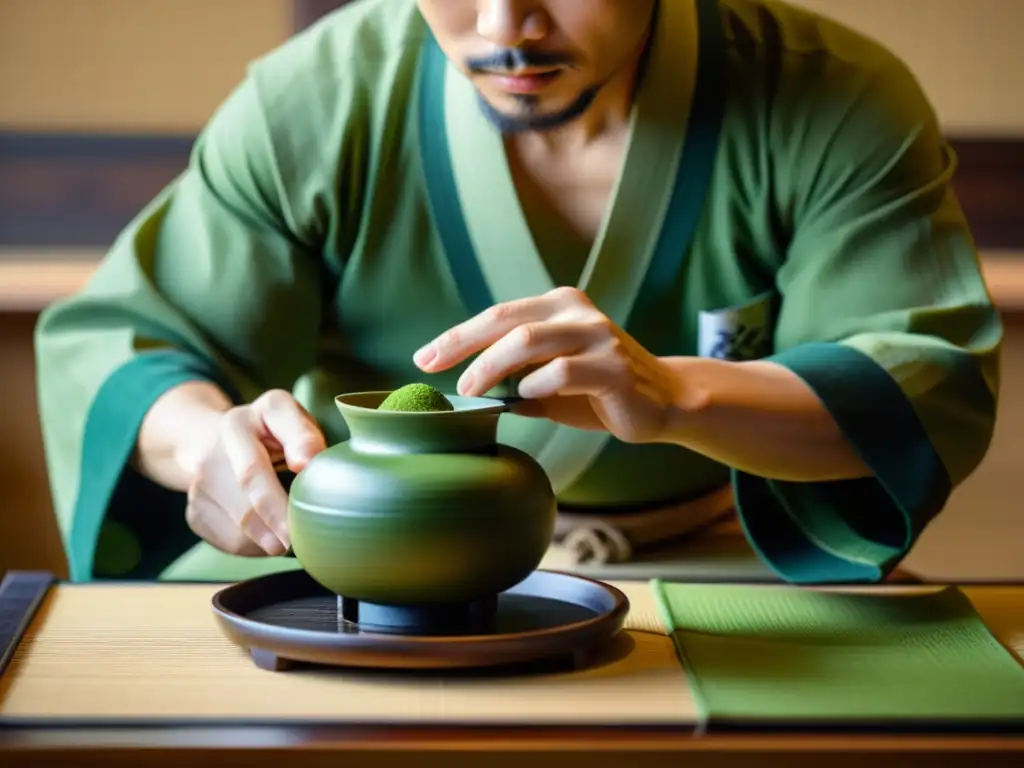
x,y
714,239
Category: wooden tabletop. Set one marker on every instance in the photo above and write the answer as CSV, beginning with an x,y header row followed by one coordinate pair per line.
x,y
353,744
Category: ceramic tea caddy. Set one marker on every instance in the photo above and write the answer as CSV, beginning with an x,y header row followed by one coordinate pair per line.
x,y
420,519
419,540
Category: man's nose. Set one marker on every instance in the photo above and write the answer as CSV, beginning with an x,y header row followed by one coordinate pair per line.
x,y
511,23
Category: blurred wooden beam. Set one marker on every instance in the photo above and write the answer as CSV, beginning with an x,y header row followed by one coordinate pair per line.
x,y
989,181
32,278
61,190
307,12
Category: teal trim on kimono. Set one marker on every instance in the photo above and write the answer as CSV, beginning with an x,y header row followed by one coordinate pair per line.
x,y
686,204
696,167
850,530
116,507
442,190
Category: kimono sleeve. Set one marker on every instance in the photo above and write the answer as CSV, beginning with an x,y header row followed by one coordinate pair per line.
x,y
218,279
884,313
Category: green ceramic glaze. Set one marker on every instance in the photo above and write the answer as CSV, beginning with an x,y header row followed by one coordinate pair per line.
x,y
416,397
420,507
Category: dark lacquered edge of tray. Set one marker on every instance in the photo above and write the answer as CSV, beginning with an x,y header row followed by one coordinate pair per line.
x,y
379,650
21,595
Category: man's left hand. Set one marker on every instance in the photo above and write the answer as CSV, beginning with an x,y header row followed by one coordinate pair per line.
x,y
576,366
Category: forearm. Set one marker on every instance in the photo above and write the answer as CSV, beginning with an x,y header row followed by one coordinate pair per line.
x,y
758,417
178,430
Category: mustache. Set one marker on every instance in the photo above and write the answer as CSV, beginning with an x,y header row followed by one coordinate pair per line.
x,y
513,59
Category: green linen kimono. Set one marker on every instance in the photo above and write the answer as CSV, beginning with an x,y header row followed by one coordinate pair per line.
x,y
785,195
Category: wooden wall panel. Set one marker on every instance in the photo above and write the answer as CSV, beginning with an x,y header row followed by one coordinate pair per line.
x,y
28,530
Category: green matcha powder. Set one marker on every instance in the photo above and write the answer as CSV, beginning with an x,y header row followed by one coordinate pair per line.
x,y
421,398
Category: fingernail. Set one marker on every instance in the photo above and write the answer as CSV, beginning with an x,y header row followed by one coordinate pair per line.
x,y
425,356
308,450
466,384
271,544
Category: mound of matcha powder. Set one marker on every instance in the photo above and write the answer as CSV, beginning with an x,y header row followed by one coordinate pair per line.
x,y
416,397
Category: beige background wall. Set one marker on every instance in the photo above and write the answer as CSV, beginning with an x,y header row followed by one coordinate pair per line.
x,y
157,65
966,53
164,65
128,65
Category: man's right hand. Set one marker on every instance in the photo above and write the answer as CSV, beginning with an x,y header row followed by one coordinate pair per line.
x,y
235,500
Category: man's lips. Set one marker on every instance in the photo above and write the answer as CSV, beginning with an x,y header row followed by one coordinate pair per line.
x,y
524,81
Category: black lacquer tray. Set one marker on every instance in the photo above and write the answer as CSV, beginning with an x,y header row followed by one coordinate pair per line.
x,y
284,618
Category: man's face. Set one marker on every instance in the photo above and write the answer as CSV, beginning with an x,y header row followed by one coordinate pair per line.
x,y
539,64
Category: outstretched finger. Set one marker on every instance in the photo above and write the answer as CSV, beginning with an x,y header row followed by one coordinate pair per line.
x,y
528,345
479,332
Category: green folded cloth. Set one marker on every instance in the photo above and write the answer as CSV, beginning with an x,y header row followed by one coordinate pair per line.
x,y
772,654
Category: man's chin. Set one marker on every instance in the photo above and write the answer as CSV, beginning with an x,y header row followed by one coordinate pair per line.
x,y
512,114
